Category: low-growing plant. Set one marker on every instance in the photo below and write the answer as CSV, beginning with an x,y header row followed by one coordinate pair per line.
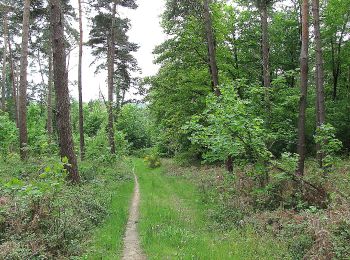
x,y
152,159
330,145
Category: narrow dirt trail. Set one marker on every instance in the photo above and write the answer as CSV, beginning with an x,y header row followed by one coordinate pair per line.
x,y
132,249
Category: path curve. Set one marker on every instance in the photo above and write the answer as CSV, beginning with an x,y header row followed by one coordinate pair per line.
x,y
132,249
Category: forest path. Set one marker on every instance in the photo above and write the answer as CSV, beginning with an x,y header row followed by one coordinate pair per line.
x,y
177,220
132,249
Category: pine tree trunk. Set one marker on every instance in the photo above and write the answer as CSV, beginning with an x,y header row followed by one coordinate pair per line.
x,y
80,87
304,67
22,98
61,88
49,100
319,79
111,53
14,83
211,48
4,66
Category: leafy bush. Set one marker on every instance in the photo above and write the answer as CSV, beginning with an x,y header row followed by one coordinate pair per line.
x,y
8,136
97,147
37,135
330,145
95,117
135,122
227,127
152,159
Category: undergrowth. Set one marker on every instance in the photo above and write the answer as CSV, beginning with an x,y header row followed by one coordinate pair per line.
x,y
311,225
43,217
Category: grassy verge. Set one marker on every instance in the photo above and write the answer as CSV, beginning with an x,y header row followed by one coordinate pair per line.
x,y
174,224
107,240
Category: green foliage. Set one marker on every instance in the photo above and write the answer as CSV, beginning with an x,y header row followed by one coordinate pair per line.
x,y
342,240
229,128
152,159
46,217
95,117
97,147
330,145
37,136
135,122
47,183
8,136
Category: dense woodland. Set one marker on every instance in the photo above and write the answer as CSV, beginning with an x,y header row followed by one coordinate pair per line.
x,y
247,121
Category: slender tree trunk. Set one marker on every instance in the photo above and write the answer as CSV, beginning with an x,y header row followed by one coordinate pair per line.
x,y
319,80
211,47
62,95
80,87
304,67
14,83
42,80
265,50
4,67
265,44
22,99
49,100
213,67
336,60
111,53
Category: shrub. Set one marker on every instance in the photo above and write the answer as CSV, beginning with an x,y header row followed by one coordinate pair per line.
x,y
228,128
8,136
152,159
43,217
330,145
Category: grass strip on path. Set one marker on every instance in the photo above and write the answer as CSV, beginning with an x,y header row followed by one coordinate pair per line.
x,y
107,240
173,224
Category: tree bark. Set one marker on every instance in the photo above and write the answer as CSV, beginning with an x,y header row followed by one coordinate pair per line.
x,y
304,69
49,100
265,43
80,87
22,99
319,79
211,47
14,83
111,53
61,88
4,65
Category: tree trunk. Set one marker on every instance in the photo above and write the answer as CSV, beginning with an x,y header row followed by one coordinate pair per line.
x,y
211,48
304,69
213,67
265,44
336,60
80,87
4,67
49,100
62,95
22,99
14,83
111,53
319,79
